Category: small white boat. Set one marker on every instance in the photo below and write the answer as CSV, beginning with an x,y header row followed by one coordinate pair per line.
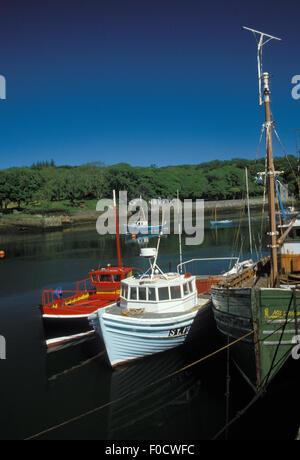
x,y
142,226
155,313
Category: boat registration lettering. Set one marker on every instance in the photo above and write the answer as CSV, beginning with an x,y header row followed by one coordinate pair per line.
x,y
279,314
178,331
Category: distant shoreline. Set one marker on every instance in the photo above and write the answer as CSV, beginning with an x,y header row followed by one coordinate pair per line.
x,y
38,223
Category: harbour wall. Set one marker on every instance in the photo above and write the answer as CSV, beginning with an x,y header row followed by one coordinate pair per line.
x,y
39,223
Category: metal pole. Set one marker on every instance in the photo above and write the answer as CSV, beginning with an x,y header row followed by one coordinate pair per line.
x,y
117,229
249,216
271,185
180,232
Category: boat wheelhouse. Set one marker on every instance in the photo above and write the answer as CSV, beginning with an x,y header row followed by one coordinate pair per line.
x,y
290,252
102,286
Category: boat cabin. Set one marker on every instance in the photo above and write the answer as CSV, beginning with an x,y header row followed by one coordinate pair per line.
x,y
290,249
108,280
159,293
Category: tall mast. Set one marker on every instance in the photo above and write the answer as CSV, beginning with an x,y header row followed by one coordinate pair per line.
x,y
117,230
180,233
249,216
270,181
263,78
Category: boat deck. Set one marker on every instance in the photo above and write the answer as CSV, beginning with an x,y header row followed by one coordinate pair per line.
x,y
86,306
139,313
260,282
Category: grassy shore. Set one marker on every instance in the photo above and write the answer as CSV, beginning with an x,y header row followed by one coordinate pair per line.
x,y
40,217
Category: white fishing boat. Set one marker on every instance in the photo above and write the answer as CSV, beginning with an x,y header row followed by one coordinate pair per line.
x,y
155,313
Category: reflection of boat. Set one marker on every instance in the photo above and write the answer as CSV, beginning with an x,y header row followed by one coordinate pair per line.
x,y
141,239
72,356
65,312
148,409
220,223
253,305
155,314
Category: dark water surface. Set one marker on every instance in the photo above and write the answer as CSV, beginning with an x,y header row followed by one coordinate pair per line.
x,y
40,390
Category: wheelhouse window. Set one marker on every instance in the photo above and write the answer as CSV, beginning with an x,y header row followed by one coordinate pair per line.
x,y
95,278
142,293
105,278
152,294
133,293
163,293
117,278
186,289
124,291
175,292
191,286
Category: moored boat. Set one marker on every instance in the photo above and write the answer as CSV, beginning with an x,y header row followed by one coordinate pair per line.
x,y
155,313
260,306
65,312
141,225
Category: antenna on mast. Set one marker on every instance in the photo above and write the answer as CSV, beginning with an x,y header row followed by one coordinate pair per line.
x,y
261,40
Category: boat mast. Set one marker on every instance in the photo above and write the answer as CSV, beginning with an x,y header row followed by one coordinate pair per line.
x,y
271,181
249,216
263,78
117,230
180,233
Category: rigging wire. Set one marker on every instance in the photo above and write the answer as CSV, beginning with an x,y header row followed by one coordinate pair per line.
x,y
131,393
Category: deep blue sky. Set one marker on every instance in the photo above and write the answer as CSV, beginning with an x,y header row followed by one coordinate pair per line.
x,y
142,81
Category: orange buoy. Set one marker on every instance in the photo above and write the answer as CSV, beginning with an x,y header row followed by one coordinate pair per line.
x,y
2,254
133,237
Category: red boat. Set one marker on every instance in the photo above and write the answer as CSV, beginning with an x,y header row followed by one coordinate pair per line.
x,y
65,313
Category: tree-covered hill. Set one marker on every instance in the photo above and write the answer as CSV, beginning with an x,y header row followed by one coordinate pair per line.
x,y
44,182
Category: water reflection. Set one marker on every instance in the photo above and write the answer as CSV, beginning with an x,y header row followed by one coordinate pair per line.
x,y
40,390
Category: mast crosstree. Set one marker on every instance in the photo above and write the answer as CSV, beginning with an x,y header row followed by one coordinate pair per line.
x,y
261,39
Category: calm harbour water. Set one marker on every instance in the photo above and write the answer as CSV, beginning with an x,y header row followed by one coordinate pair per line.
x,y
40,389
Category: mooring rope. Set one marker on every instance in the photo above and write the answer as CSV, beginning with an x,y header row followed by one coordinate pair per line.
x,y
131,393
